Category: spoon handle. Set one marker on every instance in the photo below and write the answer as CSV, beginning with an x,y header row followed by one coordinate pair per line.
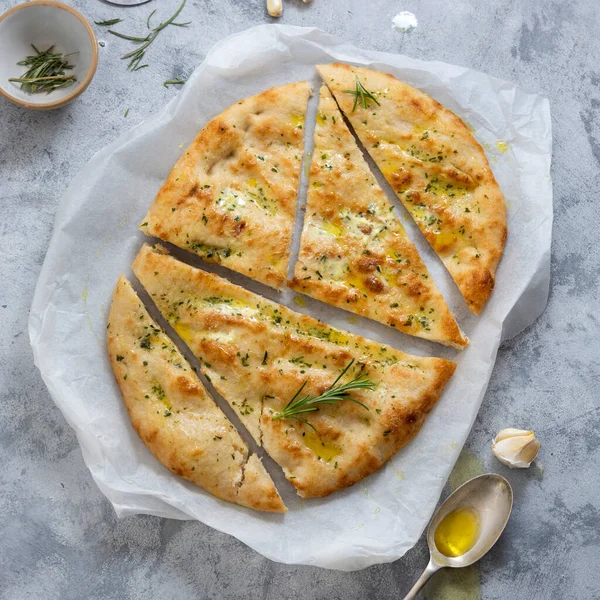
x,y
427,573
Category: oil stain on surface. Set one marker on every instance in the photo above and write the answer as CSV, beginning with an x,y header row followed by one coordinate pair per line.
x,y
458,584
502,146
299,301
467,466
454,584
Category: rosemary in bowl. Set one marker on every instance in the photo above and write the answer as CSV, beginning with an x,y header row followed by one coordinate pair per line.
x,y
46,71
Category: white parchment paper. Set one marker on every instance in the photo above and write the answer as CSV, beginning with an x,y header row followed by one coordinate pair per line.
x,y
95,240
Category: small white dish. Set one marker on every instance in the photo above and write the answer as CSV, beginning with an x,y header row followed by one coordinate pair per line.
x,y
45,23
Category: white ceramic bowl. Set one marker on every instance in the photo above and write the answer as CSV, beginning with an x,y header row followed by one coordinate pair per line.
x,y
44,23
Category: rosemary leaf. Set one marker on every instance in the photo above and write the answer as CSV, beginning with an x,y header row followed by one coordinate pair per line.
x,y
126,113
131,38
169,82
108,22
148,19
305,404
361,93
51,77
169,21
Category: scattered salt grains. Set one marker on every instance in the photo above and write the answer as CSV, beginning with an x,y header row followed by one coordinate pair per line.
x,y
404,22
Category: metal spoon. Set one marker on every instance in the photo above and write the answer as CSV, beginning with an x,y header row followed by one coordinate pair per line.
x,y
490,497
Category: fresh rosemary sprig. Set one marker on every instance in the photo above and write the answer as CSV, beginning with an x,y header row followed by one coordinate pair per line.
x,y
108,22
46,71
297,406
362,93
136,55
169,82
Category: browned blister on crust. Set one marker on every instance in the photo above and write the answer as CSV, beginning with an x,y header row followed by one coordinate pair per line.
x,y
437,169
354,252
173,413
231,198
258,353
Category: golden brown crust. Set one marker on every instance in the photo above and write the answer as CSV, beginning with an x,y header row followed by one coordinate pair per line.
x,y
258,353
438,170
231,198
354,252
173,413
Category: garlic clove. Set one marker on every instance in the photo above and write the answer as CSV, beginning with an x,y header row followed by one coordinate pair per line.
x,y
516,448
510,432
275,7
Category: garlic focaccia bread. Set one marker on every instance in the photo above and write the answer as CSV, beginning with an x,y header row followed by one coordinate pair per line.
x,y
354,252
173,413
436,167
231,198
258,353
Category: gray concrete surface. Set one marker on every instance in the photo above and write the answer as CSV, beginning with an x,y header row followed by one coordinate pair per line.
x,y
59,537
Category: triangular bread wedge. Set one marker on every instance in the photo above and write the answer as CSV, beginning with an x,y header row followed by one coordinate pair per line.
x,y
436,167
258,354
173,413
354,252
231,198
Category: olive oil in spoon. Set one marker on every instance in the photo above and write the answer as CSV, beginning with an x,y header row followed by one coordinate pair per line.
x,y
466,525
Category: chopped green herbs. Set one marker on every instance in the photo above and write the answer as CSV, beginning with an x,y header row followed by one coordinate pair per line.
x,y
145,343
158,391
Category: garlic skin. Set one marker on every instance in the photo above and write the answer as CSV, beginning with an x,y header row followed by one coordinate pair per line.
x,y
516,448
404,22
